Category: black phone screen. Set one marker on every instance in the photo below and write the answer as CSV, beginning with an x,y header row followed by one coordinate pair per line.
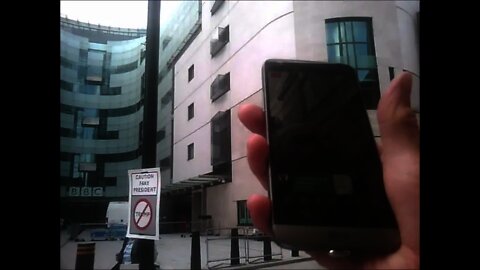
x,y
324,165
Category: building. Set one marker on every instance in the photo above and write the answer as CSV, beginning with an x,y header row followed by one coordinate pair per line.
x,y
221,69
101,92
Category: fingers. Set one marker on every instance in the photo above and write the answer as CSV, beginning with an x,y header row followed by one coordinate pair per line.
x,y
253,118
257,155
397,121
258,206
401,157
259,209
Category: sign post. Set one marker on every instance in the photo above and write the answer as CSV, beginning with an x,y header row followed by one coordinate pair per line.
x,y
144,202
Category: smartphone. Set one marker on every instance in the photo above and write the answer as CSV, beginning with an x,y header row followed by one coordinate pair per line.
x,y
325,174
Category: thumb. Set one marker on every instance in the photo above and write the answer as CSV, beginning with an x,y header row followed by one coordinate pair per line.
x,y
397,121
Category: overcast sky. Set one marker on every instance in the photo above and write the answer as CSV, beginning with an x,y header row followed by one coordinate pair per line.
x,y
128,14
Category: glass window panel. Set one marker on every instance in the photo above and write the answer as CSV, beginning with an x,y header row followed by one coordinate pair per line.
x,y
362,74
332,33
342,32
87,133
360,31
348,32
343,54
366,61
90,112
95,58
76,162
95,71
89,89
351,55
333,53
361,49
87,157
367,75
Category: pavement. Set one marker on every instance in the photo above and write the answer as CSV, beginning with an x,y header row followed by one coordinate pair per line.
x,y
174,252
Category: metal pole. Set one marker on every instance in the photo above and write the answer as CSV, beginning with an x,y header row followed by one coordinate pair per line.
x,y
234,248
151,86
149,141
195,257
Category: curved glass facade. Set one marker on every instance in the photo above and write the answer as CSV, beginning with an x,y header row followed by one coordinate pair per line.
x,y
101,92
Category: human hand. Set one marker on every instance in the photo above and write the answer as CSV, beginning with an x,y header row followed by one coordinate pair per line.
x,y
400,156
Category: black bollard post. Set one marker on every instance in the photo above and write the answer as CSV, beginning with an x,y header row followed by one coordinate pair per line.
x,y
146,249
85,256
267,249
234,249
195,256
295,253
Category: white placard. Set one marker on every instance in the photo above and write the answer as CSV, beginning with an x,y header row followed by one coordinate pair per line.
x,y
144,184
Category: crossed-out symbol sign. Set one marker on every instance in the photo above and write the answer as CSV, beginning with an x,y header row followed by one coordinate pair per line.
x,y
143,214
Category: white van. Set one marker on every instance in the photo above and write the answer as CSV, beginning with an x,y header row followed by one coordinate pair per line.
x,y
117,213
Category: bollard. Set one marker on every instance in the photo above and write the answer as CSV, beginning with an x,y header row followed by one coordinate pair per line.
x,y
234,249
267,249
295,253
85,256
195,256
146,247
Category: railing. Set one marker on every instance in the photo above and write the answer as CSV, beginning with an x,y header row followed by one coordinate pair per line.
x,y
244,247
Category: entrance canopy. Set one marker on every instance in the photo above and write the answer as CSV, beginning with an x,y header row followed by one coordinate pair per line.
x,y
194,183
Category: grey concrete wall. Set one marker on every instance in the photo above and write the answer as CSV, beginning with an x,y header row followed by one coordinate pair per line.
x,y
252,40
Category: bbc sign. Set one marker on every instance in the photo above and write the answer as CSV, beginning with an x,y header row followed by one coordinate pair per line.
x,y
85,192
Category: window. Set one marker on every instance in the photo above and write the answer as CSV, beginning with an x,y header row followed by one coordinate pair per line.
x,y
164,73
142,55
224,34
90,88
86,163
86,120
216,6
191,72
191,112
216,45
221,139
219,86
165,42
166,98
161,135
66,132
391,72
243,216
125,68
87,167
110,91
90,122
66,85
190,149
95,66
350,41
165,164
